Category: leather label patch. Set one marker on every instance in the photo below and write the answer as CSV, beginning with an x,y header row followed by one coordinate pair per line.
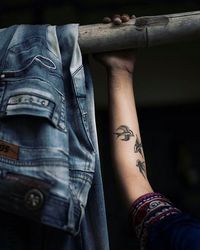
x,y
9,150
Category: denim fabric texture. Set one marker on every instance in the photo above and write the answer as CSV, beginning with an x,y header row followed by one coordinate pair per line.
x,y
49,157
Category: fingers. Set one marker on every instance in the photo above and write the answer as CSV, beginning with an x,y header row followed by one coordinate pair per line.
x,y
118,19
125,18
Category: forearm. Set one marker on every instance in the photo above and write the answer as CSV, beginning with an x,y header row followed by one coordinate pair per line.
x,y
127,152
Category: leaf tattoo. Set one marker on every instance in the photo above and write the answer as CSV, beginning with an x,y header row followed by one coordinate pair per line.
x,y
138,147
141,166
124,132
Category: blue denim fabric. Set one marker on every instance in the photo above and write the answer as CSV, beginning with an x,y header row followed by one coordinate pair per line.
x,y
48,145
94,232
176,232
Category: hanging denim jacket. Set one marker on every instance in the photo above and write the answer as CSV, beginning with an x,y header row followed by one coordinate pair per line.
x,y
47,157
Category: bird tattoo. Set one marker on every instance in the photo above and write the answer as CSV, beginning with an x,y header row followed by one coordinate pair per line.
x,y
124,132
138,146
141,166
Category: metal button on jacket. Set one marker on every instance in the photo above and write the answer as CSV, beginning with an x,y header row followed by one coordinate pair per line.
x,y
34,199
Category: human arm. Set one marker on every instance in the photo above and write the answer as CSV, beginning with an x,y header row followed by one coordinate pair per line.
x,y
157,222
127,152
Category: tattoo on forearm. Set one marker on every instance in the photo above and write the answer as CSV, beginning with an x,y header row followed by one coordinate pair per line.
x,y
138,146
124,132
142,167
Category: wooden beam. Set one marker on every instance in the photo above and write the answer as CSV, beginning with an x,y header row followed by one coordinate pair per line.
x,y
144,31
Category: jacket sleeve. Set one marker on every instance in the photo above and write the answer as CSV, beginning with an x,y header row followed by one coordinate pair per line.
x,y
159,225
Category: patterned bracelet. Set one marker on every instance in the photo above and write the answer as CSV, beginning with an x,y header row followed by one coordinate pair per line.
x,y
147,210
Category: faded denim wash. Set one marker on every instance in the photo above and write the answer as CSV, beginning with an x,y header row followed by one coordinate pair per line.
x,y
48,145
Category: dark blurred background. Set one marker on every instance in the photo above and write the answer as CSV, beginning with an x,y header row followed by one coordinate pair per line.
x,y
167,90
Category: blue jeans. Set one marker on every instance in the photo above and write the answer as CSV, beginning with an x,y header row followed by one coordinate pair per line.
x,y
49,157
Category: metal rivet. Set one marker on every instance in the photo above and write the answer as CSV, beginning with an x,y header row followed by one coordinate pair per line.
x,y
34,199
44,103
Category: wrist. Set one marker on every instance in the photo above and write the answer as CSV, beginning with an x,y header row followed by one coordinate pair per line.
x,y
120,80
118,72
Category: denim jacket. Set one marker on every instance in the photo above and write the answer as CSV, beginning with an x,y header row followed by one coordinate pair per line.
x,y
47,158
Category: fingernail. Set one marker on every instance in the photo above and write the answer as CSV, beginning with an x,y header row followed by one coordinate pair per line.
x,y
125,18
117,21
133,16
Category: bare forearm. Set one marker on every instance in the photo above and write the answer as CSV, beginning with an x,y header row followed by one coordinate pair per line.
x,y
127,151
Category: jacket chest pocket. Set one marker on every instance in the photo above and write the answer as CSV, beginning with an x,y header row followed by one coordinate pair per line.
x,y
33,117
20,99
28,86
